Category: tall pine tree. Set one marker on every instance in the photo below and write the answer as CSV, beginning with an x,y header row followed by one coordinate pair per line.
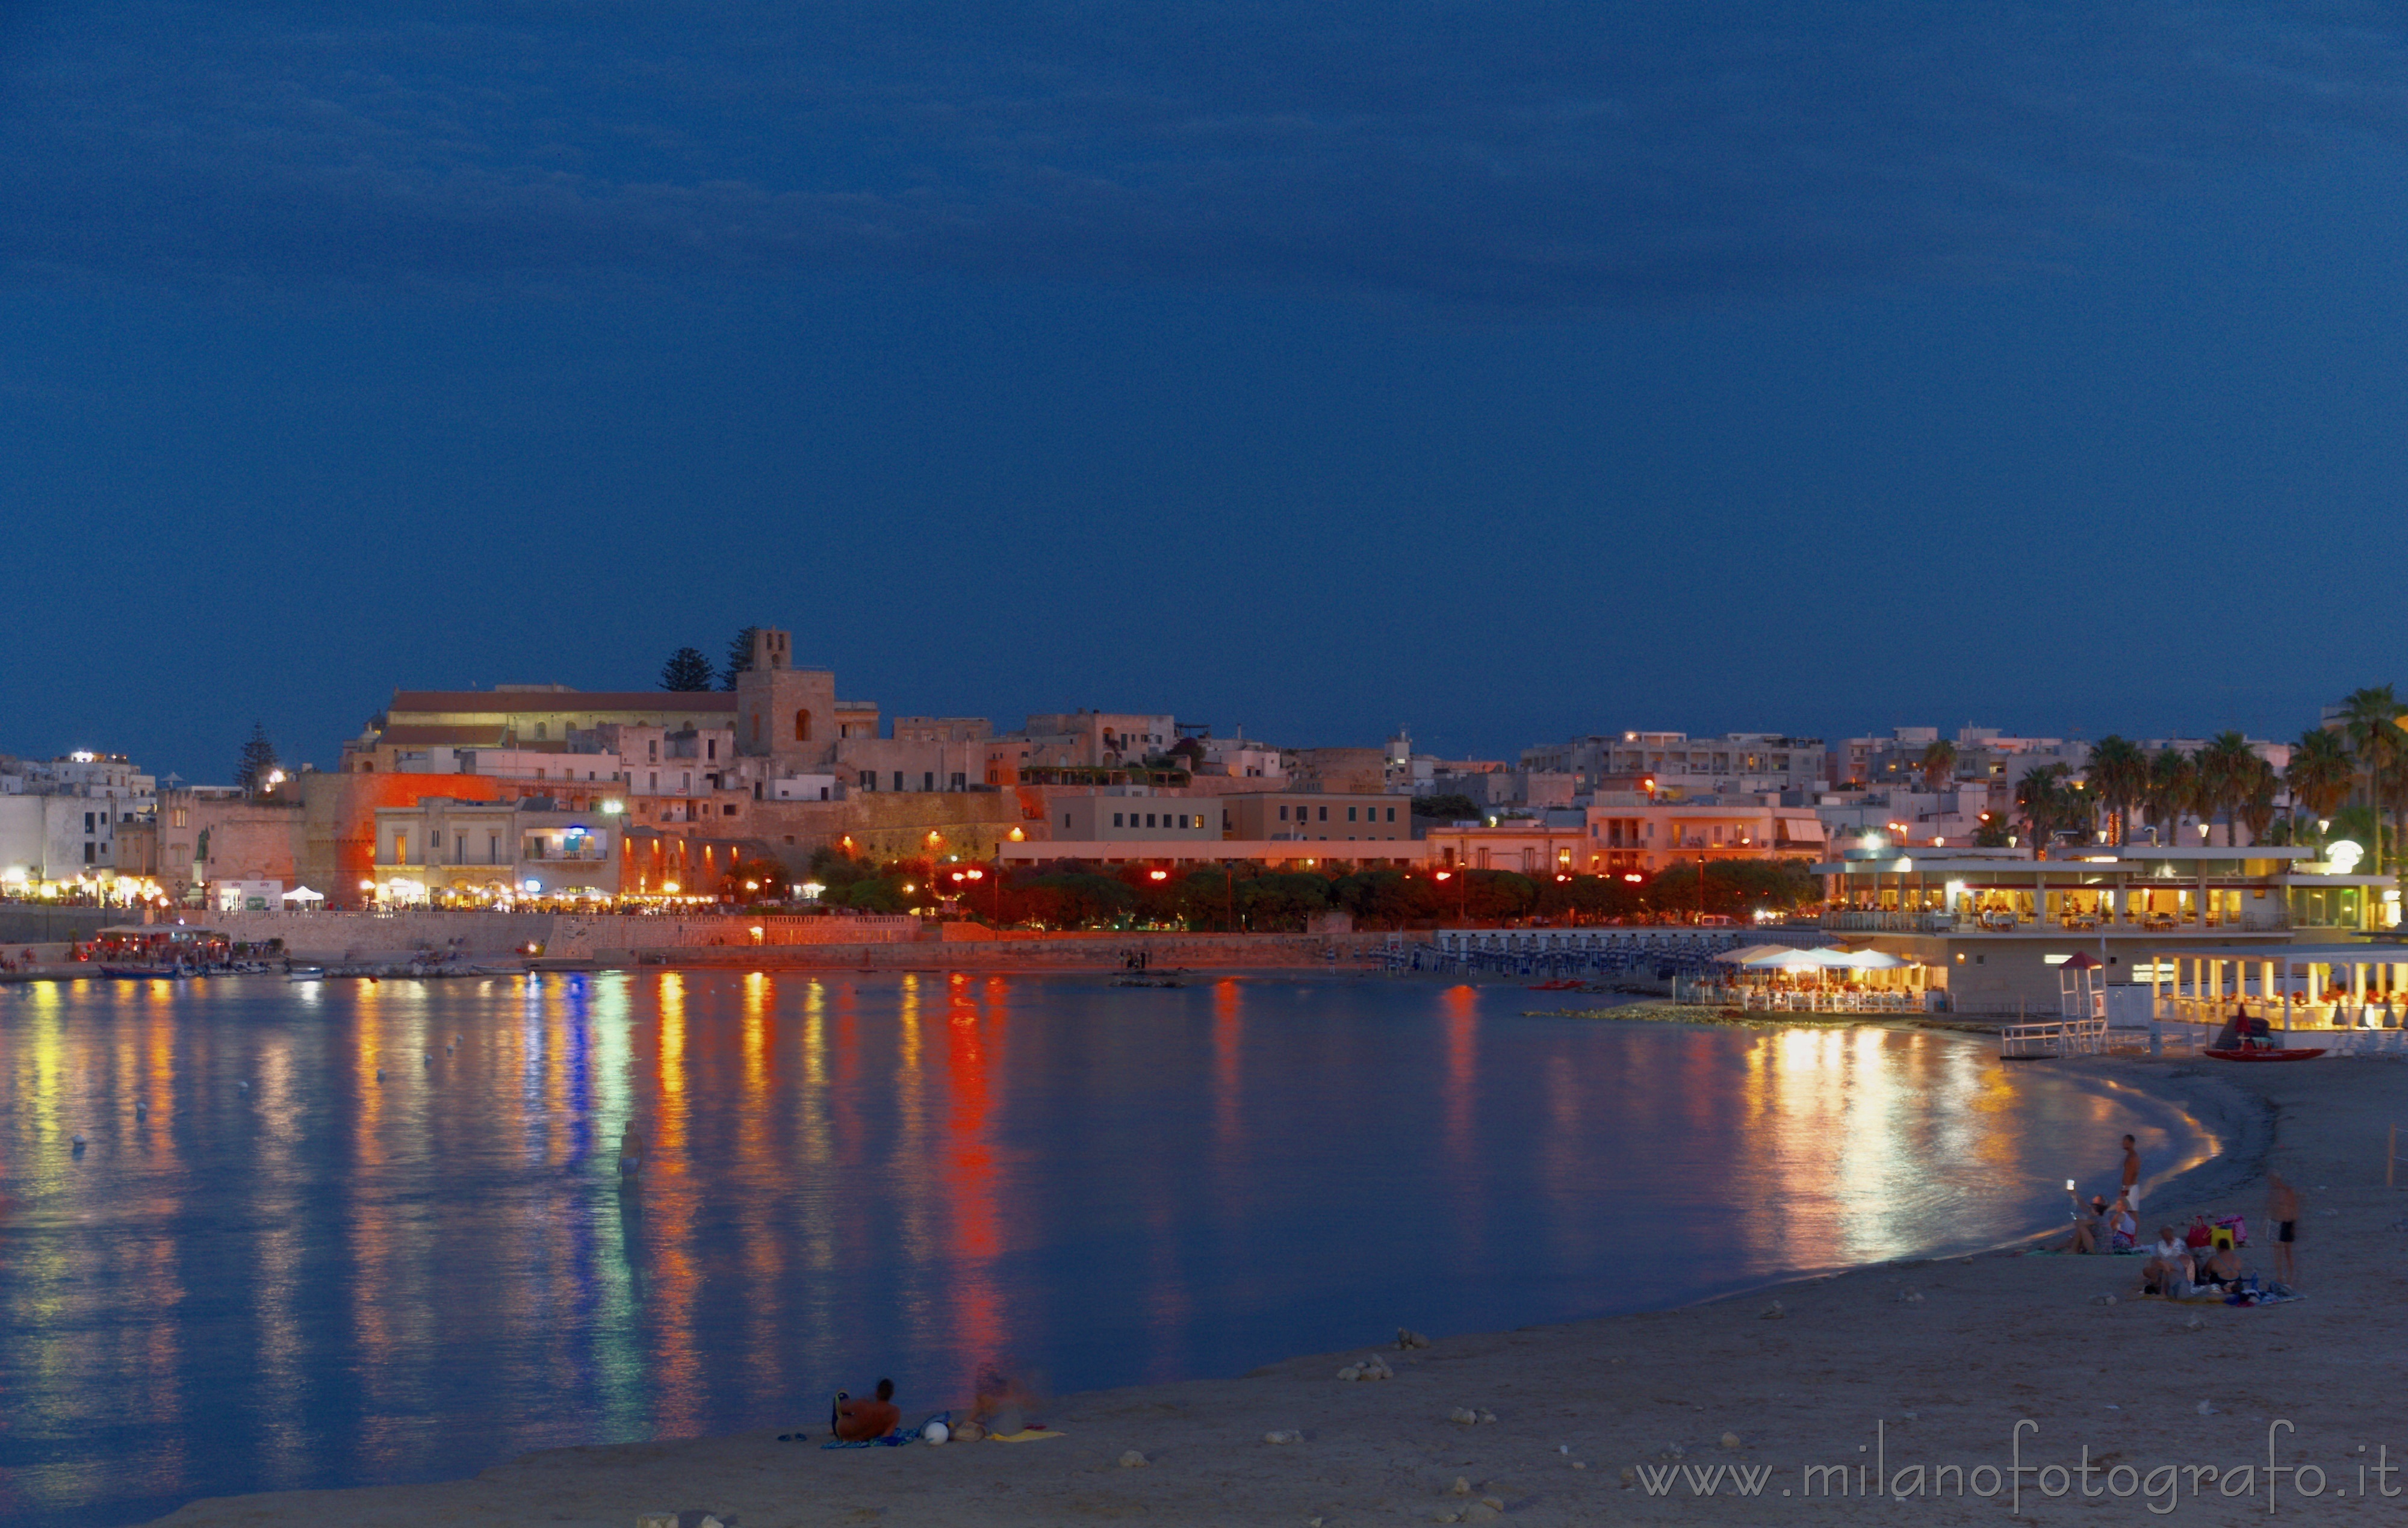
x,y
740,657
258,761
686,670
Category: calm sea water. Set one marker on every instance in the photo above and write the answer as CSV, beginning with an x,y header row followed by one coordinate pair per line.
x,y
329,1278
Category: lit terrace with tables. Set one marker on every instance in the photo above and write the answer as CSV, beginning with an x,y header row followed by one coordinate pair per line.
x,y
1994,923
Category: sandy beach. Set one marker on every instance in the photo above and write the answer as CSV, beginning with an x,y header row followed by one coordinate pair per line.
x,y
1882,1371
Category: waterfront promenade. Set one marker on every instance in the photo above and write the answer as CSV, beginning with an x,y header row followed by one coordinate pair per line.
x,y
769,943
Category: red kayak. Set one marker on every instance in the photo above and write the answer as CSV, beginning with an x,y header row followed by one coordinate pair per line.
x,y
2252,1053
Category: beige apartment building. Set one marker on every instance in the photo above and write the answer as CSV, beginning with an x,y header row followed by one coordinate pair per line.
x,y
1628,832
1337,816
1116,818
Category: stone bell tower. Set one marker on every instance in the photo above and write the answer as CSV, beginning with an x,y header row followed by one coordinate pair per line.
x,y
785,714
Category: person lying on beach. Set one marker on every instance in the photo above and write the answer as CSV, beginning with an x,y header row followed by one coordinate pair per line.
x,y
859,1422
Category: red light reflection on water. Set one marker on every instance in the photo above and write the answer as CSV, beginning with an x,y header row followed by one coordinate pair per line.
x,y
669,1193
974,1048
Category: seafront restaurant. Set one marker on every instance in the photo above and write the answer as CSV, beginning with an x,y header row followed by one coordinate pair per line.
x,y
1993,926
2297,986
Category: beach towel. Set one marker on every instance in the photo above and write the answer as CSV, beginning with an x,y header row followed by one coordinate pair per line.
x,y
1026,1434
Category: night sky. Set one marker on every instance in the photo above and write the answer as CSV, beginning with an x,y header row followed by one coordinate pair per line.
x,y
1508,370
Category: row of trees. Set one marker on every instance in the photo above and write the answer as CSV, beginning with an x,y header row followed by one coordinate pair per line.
x,y
2364,758
689,669
1252,898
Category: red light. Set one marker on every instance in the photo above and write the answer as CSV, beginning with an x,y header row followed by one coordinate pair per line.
x,y
1444,874
1634,877
1562,877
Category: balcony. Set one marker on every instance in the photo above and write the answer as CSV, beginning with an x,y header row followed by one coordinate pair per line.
x,y
1870,921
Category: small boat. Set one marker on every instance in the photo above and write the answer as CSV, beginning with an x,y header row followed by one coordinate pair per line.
x,y
306,974
2260,1053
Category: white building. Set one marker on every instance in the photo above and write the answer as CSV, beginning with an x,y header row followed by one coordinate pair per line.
x,y
1744,763
62,818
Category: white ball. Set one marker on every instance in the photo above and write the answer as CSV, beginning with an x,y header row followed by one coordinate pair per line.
x,y
936,1432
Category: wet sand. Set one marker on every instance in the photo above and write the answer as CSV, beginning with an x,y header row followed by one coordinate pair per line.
x,y
1931,1363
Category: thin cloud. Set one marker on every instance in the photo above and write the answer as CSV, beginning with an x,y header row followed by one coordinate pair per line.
x,y
1531,157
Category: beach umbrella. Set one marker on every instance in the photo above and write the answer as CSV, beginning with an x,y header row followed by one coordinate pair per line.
x,y
1781,957
1868,961
1746,953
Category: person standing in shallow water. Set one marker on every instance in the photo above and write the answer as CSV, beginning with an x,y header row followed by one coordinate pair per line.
x,y
2132,1172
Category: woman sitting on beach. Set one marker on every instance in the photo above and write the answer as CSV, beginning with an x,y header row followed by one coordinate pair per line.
x,y
2090,1233
863,1422
2218,1272
2123,1228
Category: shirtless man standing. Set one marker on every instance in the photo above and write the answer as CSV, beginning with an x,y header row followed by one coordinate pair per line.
x,y
2132,1171
2283,1208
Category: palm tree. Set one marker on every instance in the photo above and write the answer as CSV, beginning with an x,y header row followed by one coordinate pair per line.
x,y
2119,777
2369,719
1939,764
2040,797
2320,775
2257,801
2225,776
2173,779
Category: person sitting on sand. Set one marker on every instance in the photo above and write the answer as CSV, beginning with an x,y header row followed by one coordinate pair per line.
x,y
2123,1227
2218,1272
2168,1270
2199,1238
863,1422
2090,1233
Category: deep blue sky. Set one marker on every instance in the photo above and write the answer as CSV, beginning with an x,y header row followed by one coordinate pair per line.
x,y
1508,370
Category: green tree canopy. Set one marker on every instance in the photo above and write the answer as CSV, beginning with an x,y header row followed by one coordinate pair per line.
x,y
1281,901
258,761
686,670
1452,807
740,657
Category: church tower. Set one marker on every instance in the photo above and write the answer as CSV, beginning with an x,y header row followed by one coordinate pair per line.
x,y
785,714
